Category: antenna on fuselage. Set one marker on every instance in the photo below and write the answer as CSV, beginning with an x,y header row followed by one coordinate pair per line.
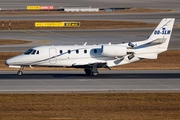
x,y
85,43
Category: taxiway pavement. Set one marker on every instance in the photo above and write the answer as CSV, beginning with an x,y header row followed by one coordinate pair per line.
x,y
72,81
143,17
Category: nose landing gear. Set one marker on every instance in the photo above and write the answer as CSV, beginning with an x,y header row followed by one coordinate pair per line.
x,y
20,71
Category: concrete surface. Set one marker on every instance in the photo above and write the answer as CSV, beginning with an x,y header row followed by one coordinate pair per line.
x,y
66,81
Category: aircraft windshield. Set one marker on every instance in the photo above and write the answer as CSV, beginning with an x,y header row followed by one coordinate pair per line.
x,y
31,51
28,51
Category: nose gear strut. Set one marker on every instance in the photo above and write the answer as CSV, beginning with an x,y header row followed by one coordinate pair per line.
x,y
20,71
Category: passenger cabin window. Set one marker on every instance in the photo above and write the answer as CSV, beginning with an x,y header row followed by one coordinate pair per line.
x,y
95,50
77,51
69,51
60,51
85,51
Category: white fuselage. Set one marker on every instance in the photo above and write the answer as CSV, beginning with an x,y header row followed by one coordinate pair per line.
x,y
66,56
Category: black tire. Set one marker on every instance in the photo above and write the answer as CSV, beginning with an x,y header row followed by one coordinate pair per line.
x,y
88,71
95,73
19,73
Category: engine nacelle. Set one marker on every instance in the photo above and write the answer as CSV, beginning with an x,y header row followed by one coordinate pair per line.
x,y
114,50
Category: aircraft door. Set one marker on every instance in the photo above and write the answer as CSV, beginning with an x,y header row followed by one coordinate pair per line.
x,y
52,56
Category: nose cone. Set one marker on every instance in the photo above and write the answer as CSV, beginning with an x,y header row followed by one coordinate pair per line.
x,y
11,61
8,62
14,61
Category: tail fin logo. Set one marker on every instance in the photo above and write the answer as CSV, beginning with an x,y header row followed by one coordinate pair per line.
x,y
163,31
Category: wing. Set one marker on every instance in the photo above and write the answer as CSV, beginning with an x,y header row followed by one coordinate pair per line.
x,y
92,65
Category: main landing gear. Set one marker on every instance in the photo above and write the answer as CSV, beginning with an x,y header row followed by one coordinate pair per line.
x,y
89,71
92,71
20,71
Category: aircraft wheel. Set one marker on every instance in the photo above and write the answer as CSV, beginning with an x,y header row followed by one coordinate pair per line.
x,y
88,71
95,73
19,73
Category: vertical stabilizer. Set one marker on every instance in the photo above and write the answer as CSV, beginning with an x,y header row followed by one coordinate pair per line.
x,y
163,32
157,42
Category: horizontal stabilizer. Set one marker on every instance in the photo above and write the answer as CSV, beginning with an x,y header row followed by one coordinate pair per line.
x,y
157,41
147,56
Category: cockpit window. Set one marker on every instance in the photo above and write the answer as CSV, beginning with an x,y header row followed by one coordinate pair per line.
x,y
28,51
37,52
33,52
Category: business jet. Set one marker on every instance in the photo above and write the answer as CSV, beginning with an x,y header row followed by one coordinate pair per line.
x,y
92,57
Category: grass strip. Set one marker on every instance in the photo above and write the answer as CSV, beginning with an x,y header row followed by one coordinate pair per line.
x,y
80,106
85,24
10,42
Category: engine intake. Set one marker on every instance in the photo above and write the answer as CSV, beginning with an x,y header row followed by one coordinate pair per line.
x,y
131,44
114,50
